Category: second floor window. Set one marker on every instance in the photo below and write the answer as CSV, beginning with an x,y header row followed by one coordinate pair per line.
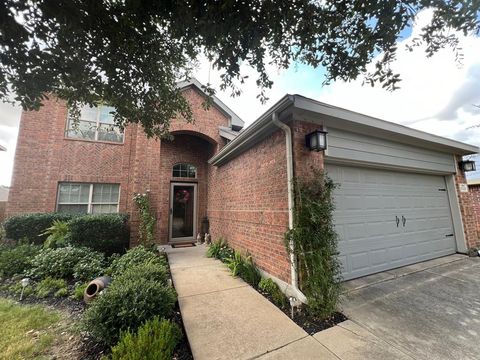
x,y
95,123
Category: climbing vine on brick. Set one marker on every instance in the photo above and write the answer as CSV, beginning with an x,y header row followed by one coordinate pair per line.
x,y
146,236
315,243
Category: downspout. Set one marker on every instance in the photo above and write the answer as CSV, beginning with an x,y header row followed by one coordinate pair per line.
x,y
289,152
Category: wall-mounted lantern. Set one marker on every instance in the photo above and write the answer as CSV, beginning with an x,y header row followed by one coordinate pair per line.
x,y
467,165
316,141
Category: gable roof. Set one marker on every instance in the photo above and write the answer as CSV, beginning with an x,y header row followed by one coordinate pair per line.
x,y
236,122
309,110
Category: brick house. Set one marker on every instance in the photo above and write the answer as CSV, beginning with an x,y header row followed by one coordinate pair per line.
x,y
474,189
400,198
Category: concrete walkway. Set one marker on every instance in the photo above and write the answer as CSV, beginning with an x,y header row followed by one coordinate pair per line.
x,y
227,319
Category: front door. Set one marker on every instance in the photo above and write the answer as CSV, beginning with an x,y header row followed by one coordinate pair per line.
x,y
183,212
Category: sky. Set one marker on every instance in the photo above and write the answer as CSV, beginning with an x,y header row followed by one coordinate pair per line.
x,y
437,94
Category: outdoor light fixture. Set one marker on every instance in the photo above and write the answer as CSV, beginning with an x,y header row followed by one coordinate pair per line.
x,y
24,282
316,141
467,165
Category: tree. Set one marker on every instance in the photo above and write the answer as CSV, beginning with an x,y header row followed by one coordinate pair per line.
x,y
131,53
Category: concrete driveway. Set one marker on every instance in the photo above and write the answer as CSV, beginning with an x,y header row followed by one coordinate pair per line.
x,y
425,311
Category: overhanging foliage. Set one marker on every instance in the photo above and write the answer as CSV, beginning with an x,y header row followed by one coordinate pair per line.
x,y
131,53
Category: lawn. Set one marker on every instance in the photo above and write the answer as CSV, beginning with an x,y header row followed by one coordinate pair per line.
x,y
27,331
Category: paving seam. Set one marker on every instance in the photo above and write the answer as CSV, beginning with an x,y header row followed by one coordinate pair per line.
x,y
278,348
330,351
403,351
212,292
448,277
398,276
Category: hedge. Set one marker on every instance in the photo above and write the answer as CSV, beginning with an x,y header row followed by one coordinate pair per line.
x,y
107,233
30,226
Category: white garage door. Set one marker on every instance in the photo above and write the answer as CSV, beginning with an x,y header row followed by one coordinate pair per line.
x,y
389,219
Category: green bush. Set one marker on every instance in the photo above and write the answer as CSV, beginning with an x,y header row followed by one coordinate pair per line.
x,y
107,233
148,271
270,287
136,256
50,286
66,263
156,339
89,267
243,267
30,226
57,234
129,302
17,259
79,291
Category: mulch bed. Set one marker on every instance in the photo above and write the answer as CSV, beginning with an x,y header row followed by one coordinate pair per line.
x,y
306,321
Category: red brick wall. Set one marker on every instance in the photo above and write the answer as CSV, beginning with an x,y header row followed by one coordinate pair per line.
x,y
183,149
44,157
247,204
466,203
475,194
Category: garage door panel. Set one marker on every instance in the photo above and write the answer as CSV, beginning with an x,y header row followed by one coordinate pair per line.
x,y
368,201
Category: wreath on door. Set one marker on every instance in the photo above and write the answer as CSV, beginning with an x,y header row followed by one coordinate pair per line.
x,y
182,196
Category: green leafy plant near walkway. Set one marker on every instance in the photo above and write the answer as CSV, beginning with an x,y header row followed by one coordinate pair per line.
x,y
156,339
315,244
148,220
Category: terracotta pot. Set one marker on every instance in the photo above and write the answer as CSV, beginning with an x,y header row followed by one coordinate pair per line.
x,y
95,287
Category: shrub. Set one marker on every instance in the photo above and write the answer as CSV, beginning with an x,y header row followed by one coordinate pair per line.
x,y
271,288
79,290
136,256
30,226
89,267
107,233
17,259
50,286
57,234
156,339
148,271
128,303
315,244
65,263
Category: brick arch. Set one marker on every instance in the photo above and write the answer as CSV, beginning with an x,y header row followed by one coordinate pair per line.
x,y
206,122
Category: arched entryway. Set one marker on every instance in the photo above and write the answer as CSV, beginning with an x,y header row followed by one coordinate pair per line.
x,y
184,184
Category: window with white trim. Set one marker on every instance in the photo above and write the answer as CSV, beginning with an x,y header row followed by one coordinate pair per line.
x,y
184,170
81,198
95,123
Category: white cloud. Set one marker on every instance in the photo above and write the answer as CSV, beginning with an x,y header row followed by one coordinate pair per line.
x,y
9,121
437,94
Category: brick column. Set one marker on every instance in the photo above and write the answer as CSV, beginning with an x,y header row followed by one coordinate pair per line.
x,y
466,203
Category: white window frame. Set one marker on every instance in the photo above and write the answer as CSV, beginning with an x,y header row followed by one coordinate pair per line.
x,y
185,177
97,127
90,196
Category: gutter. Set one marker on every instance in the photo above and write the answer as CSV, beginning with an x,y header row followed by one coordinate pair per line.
x,y
263,122
289,152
